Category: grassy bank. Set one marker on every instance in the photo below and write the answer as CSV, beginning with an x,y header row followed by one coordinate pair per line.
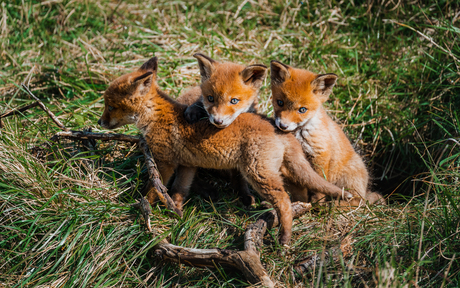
x,y
65,218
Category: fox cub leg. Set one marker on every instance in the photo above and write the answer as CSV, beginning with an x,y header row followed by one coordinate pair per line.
x,y
181,185
297,170
269,185
241,185
355,178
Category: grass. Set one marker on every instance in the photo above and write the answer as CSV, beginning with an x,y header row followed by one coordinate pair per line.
x,y
64,211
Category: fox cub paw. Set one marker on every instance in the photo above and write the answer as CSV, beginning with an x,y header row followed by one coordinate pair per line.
x,y
248,200
195,113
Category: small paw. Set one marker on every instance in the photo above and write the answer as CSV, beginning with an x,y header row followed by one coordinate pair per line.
x,y
194,113
179,212
346,195
284,240
248,200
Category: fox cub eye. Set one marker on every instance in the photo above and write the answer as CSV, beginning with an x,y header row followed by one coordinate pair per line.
x,y
280,103
210,99
302,110
110,108
234,101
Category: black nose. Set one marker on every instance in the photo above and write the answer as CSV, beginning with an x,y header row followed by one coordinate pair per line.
x,y
218,121
99,122
283,126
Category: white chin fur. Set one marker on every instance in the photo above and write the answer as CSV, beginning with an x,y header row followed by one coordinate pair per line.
x,y
225,121
291,126
112,123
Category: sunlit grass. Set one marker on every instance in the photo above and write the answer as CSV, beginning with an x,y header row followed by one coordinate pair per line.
x,y
65,216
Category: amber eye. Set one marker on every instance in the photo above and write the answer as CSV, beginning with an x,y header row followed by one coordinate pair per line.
x,y
210,98
234,101
280,103
302,110
111,108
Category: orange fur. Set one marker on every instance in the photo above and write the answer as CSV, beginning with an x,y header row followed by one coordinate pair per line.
x,y
298,97
228,90
226,83
250,144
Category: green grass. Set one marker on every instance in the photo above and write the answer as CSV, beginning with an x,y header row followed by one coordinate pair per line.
x,y
65,218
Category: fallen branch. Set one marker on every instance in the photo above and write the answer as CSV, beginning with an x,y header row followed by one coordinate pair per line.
x,y
155,181
17,111
40,103
154,177
79,135
247,261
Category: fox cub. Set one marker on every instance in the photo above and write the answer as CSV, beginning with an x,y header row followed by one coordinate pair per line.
x,y
229,89
251,144
298,97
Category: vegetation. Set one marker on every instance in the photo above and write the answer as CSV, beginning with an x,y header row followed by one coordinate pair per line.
x,y
65,219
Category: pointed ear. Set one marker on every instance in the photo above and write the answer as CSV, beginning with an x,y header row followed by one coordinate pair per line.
x,y
279,72
144,82
206,66
151,65
323,84
254,75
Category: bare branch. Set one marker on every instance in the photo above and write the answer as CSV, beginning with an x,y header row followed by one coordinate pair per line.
x,y
146,210
79,135
17,111
247,261
40,103
155,180
154,176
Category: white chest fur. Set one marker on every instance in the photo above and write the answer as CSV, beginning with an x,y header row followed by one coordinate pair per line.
x,y
307,135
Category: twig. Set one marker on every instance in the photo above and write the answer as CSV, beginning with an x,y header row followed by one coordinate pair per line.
x,y
40,103
146,210
155,180
154,176
79,135
115,10
17,111
247,261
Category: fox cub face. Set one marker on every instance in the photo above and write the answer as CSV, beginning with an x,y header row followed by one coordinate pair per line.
x,y
228,89
125,94
297,94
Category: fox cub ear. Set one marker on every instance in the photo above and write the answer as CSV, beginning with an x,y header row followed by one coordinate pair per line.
x,y
144,82
254,75
323,84
206,66
279,72
151,65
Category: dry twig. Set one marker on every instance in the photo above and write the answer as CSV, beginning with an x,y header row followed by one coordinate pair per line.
x,y
79,135
247,261
146,210
17,111
155,179
40,103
